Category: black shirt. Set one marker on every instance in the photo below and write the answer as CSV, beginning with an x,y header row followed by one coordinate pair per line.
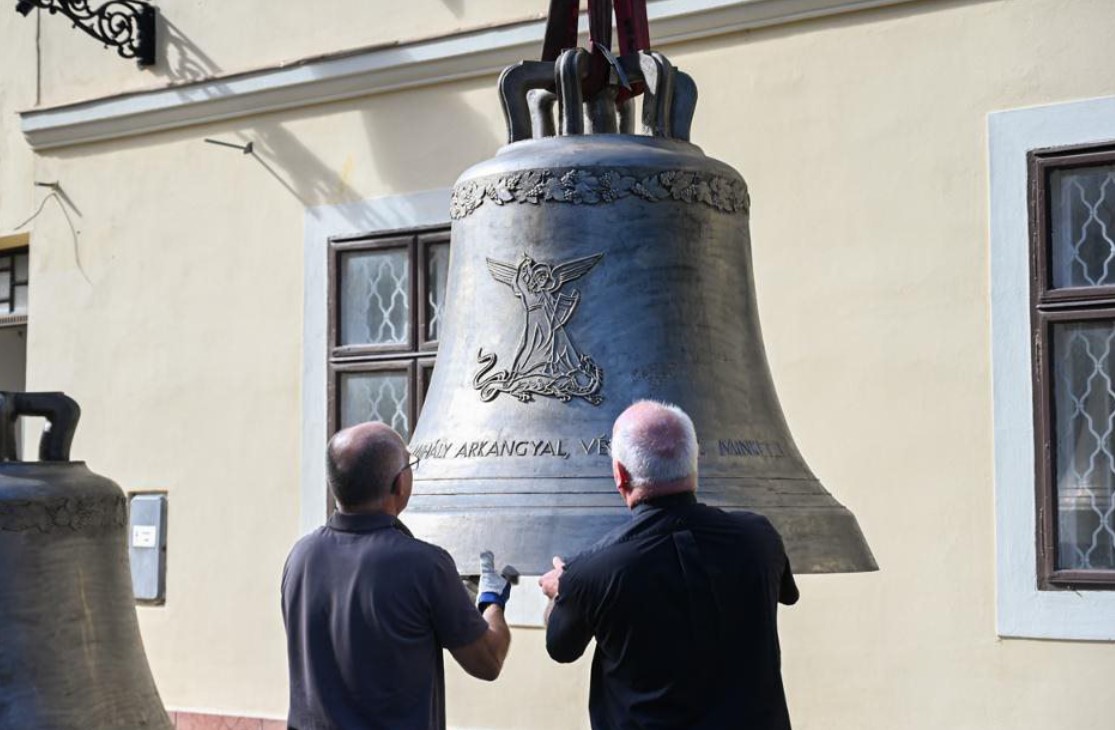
x,y
683,604
368,609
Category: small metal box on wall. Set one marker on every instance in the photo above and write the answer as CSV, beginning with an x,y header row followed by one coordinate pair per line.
x,y
147,546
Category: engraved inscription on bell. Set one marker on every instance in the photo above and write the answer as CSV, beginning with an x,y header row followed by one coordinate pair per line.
x,y
546,361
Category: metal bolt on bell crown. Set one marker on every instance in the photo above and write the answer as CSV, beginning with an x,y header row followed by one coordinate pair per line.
x,y
592,267
71,657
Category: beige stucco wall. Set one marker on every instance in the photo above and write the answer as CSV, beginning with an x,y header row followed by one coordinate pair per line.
x,y
17,92
199,38
863,140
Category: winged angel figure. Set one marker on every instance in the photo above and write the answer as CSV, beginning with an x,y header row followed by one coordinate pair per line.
x,y
546,361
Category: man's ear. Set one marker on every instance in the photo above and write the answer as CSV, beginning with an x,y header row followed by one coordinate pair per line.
x,y
623,482
621,476
403,487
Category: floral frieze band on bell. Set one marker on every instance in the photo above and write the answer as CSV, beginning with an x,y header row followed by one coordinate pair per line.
x,y
589,186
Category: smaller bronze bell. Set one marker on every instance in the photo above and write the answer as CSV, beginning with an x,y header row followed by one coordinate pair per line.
x,y
71,657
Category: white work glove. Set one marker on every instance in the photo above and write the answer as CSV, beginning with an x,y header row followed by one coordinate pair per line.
x,y
494,588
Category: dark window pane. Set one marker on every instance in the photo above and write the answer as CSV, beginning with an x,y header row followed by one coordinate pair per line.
x,y
437,273
376,396
1082,224
21,267
19,306
1084,432
425,374
375,297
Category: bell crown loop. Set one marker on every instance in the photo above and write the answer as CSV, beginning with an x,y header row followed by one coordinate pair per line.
x,y
529,90
61,412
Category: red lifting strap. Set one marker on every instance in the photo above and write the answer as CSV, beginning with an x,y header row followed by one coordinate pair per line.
x,y
600,24
631,21
561,28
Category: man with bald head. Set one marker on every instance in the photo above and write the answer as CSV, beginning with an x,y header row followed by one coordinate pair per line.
x,y
682,600
368,608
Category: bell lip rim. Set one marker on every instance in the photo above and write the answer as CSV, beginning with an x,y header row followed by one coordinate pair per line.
x,y
854,553
56,462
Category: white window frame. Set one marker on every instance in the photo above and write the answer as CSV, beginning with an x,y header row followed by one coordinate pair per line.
x,y
1023,610
371,217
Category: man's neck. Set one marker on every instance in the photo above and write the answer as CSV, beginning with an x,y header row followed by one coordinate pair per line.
x,y
382,507
655,491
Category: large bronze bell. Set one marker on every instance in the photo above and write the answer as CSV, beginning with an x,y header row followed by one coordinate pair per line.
x,y
71,657
592,267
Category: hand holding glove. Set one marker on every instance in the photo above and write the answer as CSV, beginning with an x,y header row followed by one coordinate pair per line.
x,y
495,588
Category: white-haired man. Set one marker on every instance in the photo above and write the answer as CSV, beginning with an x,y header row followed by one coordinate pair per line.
x,y
682,601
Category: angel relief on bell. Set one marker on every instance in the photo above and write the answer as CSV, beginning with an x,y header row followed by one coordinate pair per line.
x,y
546,362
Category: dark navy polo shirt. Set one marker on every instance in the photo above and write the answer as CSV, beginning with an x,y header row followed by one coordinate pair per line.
x,y
368,610
682,602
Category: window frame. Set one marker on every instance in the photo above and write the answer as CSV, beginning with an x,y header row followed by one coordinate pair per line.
x,y
337,249
9,318
417,355
424,241
338,370
1050,306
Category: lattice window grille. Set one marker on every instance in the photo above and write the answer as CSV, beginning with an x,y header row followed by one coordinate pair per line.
x,y
381,399
385,281
1087,212
1085,446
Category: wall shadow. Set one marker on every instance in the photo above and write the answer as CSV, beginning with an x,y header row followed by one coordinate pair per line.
x,y
278,152
179,59
417,151
290,163
409,151
457,7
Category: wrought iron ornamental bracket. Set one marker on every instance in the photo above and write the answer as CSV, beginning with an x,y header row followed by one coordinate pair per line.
x,y
126,25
